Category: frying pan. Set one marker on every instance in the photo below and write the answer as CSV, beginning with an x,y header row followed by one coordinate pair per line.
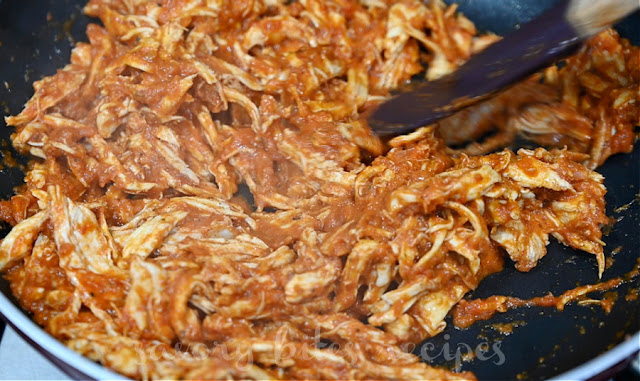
x,y
578,343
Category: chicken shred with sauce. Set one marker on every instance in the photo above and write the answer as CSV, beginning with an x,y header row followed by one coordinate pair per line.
x,y
132,242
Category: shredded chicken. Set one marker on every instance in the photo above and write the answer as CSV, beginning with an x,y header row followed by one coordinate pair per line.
x,y
590,105
132,241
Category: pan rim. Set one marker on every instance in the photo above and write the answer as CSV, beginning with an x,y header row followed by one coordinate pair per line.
x,y
602,362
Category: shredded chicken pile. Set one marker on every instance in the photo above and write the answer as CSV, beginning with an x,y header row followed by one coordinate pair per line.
x,y
589,106
132,244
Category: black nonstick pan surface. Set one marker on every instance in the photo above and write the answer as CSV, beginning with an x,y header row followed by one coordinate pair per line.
x,y
36,37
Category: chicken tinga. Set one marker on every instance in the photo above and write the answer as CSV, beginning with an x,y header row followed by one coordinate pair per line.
x,y
132,244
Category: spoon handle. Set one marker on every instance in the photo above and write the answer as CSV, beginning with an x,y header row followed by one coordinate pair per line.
x,y
534,45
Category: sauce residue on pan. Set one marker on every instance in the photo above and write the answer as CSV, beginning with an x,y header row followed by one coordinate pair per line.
x,y
632,294
628,205
468,312
506,329
7,160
